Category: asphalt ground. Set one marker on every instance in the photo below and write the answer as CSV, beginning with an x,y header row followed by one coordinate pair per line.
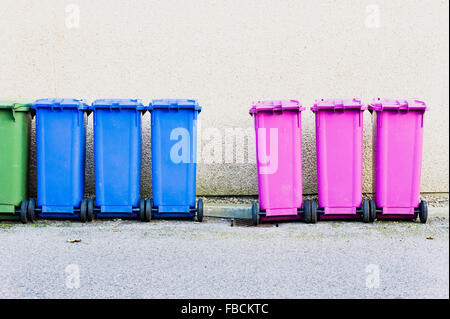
x,y
185,259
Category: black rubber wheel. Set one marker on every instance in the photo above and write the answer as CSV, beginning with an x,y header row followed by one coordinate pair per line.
x,y
83,211
24,211
148,209
373,210
200,210
314,205
307,211
365,211
90,210
141,214
423,212
255,214
31,211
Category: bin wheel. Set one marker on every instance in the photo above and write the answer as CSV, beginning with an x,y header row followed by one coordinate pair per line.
x,y
24,212
255,214
307,211
365,211
31,211
142,209
148,209
423,212
313,219
200,210
373,210
83,211
90,210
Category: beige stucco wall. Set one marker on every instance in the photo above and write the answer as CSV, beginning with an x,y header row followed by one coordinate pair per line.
x,y
227,54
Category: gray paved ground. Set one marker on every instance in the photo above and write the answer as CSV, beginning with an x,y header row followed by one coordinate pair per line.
x,y
174,259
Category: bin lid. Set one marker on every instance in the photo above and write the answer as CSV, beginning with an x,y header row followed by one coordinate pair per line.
x,y
338,104
276,105
380,104
61,103
117,104
15,105
174,104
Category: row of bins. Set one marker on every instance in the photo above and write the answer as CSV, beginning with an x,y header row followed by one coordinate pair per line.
x,y
60,140
398,138
61,148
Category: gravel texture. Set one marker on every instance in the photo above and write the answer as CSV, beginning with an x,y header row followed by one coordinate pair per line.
x,y
183,259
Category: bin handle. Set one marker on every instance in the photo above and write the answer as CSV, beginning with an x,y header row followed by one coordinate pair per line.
x,y
277,109
174,107
404,108
13,110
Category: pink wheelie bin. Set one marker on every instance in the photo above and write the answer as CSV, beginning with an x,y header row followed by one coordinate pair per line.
x,y
398,139
339,146
279,161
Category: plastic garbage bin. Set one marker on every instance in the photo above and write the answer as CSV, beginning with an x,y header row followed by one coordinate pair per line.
x,y
339,146
117,149
398,140
279,162
14,140
174,159
60,145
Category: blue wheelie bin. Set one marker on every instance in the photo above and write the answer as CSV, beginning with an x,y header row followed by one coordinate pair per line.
x,y
60,145
117,151
174,159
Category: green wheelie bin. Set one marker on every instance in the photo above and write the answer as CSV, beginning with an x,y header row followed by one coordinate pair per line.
x,y
15,119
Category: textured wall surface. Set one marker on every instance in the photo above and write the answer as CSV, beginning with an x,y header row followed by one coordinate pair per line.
x,y
227,54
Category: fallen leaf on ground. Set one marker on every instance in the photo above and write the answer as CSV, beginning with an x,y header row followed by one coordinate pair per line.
x,y
74,240
431,238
